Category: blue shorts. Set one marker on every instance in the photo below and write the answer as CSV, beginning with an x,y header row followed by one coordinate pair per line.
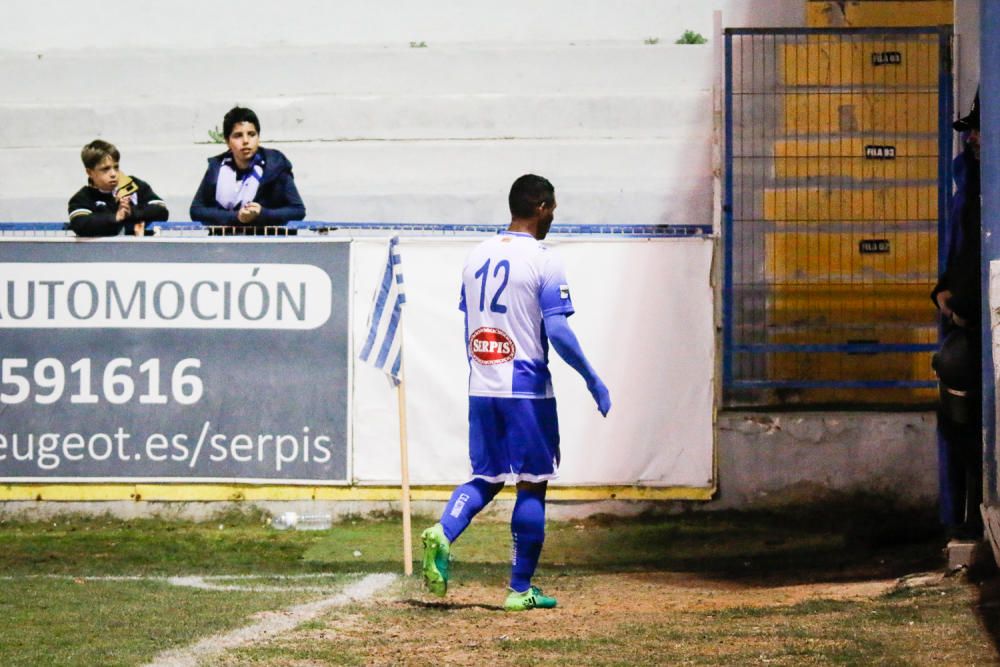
x,y
513,439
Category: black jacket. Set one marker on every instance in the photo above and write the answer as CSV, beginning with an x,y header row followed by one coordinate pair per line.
x,y
278,198
962,275
92,212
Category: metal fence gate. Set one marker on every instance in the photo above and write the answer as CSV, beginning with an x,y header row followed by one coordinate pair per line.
x,y
838,162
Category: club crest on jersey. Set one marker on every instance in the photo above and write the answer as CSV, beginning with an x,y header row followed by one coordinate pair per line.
x,y
490,346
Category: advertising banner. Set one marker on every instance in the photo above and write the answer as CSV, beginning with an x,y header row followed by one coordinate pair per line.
x,y
188,360
644,318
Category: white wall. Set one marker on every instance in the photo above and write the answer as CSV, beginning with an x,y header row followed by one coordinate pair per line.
x,y
377,130
967,28
43,25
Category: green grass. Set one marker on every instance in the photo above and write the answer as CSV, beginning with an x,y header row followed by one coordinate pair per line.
x,y
80,622
72,620
232,544
811,543
691,37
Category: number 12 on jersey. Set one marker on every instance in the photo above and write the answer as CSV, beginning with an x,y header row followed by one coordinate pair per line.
x,y
483,273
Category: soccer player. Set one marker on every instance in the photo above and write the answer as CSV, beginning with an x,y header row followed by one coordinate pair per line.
x,y
516,299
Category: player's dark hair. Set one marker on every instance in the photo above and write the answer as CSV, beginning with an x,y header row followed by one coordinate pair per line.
x,y
238,115
527,193
98,149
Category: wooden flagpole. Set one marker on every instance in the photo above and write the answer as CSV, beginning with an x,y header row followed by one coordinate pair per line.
x,y
404,462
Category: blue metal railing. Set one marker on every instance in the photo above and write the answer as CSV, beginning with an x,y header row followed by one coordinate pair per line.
x,y
640,231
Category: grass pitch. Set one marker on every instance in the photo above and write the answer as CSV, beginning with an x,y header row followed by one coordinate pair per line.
x,y
810,586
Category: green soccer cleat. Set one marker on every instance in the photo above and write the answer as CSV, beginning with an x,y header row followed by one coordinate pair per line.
x,y
437,551
529,599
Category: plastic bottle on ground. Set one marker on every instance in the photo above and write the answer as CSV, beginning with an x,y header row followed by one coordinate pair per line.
x,y
314,522
285,520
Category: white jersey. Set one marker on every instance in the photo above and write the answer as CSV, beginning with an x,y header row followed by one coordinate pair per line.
x,y
509,283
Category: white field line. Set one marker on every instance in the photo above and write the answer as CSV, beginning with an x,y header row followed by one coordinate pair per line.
x,y
270,624
202,582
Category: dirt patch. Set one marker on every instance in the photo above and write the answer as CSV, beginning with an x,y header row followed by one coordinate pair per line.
x,y
470,625
658,591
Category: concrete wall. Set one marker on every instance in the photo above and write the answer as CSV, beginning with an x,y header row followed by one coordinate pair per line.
x,y
782,458
385,134
44,25
764,460
377,130
967,54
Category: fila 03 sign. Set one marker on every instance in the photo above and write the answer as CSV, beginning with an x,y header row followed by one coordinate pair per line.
x,y
165,360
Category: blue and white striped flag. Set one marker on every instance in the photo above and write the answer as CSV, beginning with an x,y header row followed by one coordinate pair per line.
x,y
382,348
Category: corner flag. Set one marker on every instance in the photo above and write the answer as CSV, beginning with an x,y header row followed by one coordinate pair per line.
x,y
382,348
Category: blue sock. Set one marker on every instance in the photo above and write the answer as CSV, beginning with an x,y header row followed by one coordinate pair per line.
x,y
465,503
527,526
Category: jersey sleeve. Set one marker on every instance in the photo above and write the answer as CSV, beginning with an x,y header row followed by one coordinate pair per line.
x,y
553,295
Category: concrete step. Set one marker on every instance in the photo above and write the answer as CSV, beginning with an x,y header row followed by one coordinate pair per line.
x,y
866,112
115,77
193,23
888,203
838,60
805,256
643,181
331,117
878,14
846,159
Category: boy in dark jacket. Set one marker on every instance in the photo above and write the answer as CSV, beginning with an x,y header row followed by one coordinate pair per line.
x,y
247,189
112,203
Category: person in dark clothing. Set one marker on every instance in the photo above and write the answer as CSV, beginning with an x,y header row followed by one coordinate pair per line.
x,y
957,296
248,190
112,203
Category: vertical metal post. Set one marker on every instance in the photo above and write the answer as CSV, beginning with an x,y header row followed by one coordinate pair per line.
x,y
989,101
945,186
727,229
944,143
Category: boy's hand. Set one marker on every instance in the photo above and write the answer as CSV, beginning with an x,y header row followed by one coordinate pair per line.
x,y
124,209
249,212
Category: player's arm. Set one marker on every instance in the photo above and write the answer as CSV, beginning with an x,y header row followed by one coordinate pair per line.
x,y
565,343
465,316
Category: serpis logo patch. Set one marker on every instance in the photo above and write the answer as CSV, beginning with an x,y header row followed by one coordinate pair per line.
x,y
490,346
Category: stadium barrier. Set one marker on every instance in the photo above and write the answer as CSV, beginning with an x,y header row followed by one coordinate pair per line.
x,y
190,367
